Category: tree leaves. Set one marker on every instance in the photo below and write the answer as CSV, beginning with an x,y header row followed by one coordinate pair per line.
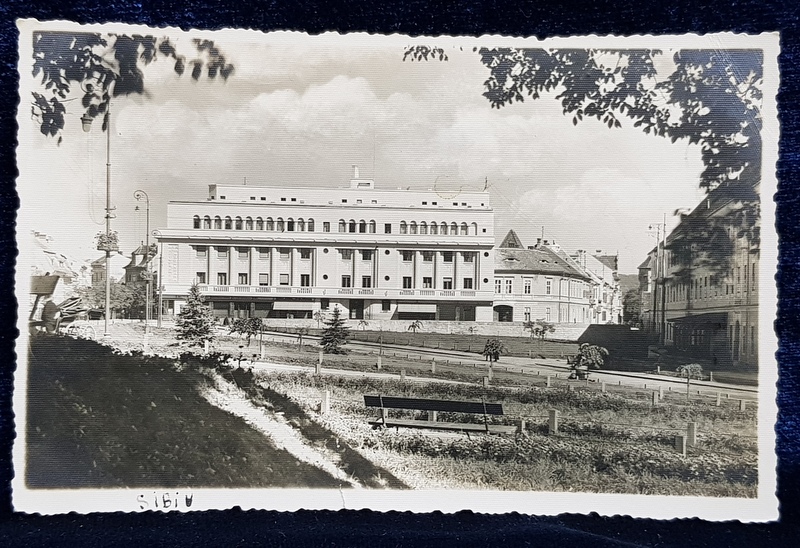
x,y
105,66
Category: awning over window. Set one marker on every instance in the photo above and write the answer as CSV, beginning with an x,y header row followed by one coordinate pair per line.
x,y
417,307
709,318
293,305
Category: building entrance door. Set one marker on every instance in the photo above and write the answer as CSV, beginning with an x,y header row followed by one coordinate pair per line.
x,y
356,309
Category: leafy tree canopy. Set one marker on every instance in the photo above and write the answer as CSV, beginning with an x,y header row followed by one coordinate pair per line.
x,y
103,66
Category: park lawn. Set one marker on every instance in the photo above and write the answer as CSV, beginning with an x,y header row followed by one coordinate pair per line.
x,y
96,418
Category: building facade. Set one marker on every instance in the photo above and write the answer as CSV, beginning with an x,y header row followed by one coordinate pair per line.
x,y
290,252
538,283
702,295
606,299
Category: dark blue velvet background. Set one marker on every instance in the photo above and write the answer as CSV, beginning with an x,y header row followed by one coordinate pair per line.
x,y
543,18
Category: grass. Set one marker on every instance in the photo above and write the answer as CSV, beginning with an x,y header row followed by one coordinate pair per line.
x,y
99,419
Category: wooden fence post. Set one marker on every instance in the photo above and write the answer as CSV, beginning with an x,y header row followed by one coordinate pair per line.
x,y
432,416
680,444
655,398
742,405
570,388
710,376
205,348
552,421
379,364
603,387
691,434
325,407
433,365
719,399
318,368
522,428
548,381
402,374
660,392
486,382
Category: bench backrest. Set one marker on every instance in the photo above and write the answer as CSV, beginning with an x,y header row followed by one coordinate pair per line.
x,y
419,404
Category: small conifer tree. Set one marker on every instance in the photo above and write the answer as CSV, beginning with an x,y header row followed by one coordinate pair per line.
x,y
335,334
195,322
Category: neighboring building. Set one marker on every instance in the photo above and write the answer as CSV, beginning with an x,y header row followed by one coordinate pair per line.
x,y
606,300
538,283
647,283
289,252
118,263
140,266
47,260
707,305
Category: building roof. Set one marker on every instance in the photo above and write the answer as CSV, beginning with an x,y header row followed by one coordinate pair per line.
x,y
645,264
609,260
512,241
537,260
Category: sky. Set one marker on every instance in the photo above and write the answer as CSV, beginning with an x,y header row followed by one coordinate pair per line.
x,y
299,112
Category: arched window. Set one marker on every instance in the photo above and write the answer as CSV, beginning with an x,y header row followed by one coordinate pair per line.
x,y
217,223
248,223
443,229
228,223
238,223
474,228
301,225
453,229
423,227
270,224
342,226
206,222
290,225
403,227
351,226
434,228
259,223
279,225
362,226
413,227
372,227
464,229
310,225
196,221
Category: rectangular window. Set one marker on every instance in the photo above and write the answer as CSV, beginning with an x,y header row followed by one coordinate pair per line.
x,y
305,280
366,254
447,283
547,314
527,286
387,228
305,253
242,278
243,252
284,251
263,253
447,256
468,256
263,279
366,281
222,252
346,282
427,282
498,286
406,282
548,290
222,278
467,283
324,304
427,256
527,314
202,251
284,279
326,226
407,255
346,254
508,285
201,277
386,306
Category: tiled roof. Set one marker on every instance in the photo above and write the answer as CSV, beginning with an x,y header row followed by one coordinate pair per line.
x,y
535,261
512,241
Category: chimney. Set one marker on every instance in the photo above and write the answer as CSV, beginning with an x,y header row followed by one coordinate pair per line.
x,y
355,171
538,241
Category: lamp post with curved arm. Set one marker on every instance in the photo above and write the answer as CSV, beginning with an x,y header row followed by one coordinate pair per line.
x,y
157,234
142,195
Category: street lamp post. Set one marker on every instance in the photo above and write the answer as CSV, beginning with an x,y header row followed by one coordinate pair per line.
x,y
86,122
157,234
139,195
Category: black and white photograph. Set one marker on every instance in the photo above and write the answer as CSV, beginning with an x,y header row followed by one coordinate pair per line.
x,y
284,271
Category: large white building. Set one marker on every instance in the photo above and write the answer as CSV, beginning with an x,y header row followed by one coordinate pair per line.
x,y
289,252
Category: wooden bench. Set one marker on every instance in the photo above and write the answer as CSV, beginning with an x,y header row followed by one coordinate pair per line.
x,y
384,403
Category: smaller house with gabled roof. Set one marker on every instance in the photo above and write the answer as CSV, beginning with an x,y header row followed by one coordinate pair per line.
x,y
536,282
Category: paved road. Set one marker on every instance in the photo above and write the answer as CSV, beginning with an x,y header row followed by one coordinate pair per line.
x,y
554,367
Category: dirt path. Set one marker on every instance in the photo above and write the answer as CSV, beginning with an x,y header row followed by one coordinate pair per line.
x,y
228,397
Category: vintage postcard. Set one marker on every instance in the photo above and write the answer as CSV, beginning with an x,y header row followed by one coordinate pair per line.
x,y
285,271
